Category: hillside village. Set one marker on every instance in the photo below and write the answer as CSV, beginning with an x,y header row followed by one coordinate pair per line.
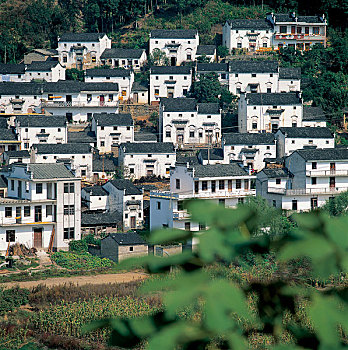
x,y
113,154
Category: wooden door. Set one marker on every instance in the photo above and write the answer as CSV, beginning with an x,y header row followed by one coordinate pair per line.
x,y
229,185
38,237
332,183
133,222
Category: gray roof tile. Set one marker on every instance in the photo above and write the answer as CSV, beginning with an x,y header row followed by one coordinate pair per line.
x,y
276,172
274,99
48,121
103,72
7,135
122,53
307,132
97,218
256,24
313,113
249,66
212,67
323,154
130,238
206,50
113,119
49,171
96,190
83,37
289,73
123,184
219,170
170,70
174,33
62,148
148,147
249,139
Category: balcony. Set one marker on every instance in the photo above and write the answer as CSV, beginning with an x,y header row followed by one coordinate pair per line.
x,y
305,191
289,36
60,104
164,195
180,215
328,173
219,194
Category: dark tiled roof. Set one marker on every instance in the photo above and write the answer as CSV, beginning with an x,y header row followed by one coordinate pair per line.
x,y
3,123
249,139
3,181
256,24
18,154
77,37
208,108
21,88
148,147
106,164
103,72
247,66
139,87
98,219
130,238
212,67
287,17
323,154
123,184
50,121
174,33
122,53
289,73
307,132
46,52
179,104
9,68
96,190
7,135
219,170
49,171
214,154
41,66
85,136
145,136
184,159
62,148
206,50
313,113
170,70
113,119
274,99
276,172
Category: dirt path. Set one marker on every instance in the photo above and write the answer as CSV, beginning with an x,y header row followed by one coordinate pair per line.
x,y
80,280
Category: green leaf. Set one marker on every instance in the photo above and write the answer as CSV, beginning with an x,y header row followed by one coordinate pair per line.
x,y
169,236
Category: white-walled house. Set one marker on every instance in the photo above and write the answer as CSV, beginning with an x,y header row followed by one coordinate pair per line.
x,y
123,77
220,69
260,112
225,184
207,51
249,148
79,156
9,157
124,58
82,50
95,197
43,204
8,141
146,159
289,79
292,139
112,129
139,93
179,45
184,121
127,199
313,117
253,76
300,32
249,34
50,71
168,81
311,177
32,129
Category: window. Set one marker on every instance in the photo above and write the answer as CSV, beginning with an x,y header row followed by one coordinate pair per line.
x,y
274,203
254,125
222,202
240,200
294,125
156,77
294,204
264,44
238,90
158,205
27,211
39,188
69,209
278,181
200,134
168,134
283,29
196,186
314,165
12,185
156,42
209,116
69,233
315,30
253,75
269,90
314,180
115,128
293,142
48,210
204,185
156,92
185,78
239,45
201,227
192,134
26,145
10,235
65,59
310,142
8,212
177,184
102,143
130,249
131,170
184,92
221,184
69,188
171,77
83,172
238,184
306,30
268,147
187,226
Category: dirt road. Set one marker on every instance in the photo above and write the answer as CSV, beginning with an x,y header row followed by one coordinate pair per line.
x,y
80,280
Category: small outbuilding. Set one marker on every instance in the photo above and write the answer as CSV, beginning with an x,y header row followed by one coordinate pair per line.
x,y
119,246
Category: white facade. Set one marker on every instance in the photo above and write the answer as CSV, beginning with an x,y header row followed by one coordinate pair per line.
x,y
95,197
250,149
179,45
38,206
128,200
314,176
82,50
252,35
146,159
225,184
268,112
112,129
124,58
290,139
41,129
172,82
184,121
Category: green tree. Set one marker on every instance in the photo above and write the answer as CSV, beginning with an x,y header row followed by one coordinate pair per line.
x,y
207,88
74,74
222,51
158,58
337,205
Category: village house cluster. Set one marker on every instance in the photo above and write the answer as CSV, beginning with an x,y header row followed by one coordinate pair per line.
x,y
77,159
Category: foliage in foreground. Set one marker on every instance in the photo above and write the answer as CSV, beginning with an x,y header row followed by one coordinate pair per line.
x,y
74,261
226,320
12,298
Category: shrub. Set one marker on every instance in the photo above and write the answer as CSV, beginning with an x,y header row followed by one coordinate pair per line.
x,y
78,246
12,298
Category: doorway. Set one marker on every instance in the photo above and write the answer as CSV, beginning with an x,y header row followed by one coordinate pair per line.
x,y
332,183
102,100
133,222
173,61
38,213
37,237
314,203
